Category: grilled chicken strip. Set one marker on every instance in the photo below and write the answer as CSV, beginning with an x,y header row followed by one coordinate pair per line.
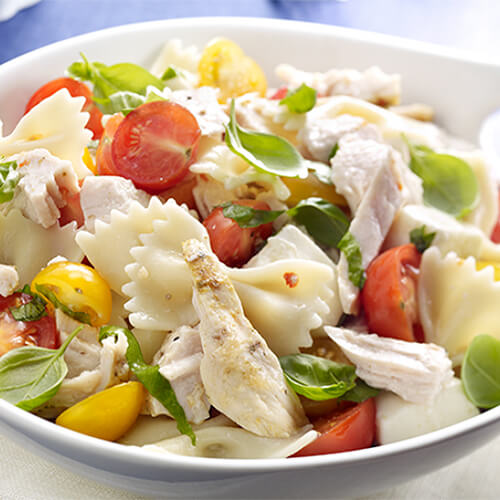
x,y
242,376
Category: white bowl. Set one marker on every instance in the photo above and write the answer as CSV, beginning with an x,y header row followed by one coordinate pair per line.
x,y
463,91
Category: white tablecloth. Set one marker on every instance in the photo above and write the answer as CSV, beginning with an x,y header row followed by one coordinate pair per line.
x,y
24,476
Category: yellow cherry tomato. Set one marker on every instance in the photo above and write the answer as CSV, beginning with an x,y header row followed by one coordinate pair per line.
x,y
309,187
109,414
224,65
79,287
496,267
89,161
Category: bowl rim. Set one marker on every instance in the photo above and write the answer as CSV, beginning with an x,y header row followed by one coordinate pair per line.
x,y
17,418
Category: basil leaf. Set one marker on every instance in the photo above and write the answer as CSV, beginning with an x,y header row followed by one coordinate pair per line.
x,y
317,378
109,80
324,221
265,152
321,171
9,178
30,376
350,247
481,371
248,216
333,152
80,316
300,100
31,311
421,239
449,182
169,74
154,382
124,102
360,392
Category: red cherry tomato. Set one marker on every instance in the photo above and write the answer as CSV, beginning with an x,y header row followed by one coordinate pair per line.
x,y
14,333
389,295
495,235
280,94
233,244
182,192
103,159
347,429
155,144
76,89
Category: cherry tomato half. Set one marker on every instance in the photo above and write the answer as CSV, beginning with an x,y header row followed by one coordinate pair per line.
x,y
103,159
79,287
389,296
345,429
76,89
155,144
233,244
279,94
14,333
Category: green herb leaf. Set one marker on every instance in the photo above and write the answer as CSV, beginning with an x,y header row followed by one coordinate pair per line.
x,y
9,178
449,182
169,74
333,152
350,247
30,376
324,221
481,371
46,291
248,216
360,393
31,311
321,171
317,378
109,80
300,100
421,239
157,385
124,102
265,152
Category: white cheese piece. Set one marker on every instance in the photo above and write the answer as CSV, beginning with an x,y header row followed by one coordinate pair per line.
x,y
398,419
9,280
416,372
101,194
44,181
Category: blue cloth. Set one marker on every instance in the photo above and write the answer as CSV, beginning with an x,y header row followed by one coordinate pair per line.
x,y
462,23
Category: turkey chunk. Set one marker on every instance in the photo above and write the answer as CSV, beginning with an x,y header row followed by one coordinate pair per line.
x,y
9,280
44,182
179,360
416,372
370,85
91,366
103,193
242,376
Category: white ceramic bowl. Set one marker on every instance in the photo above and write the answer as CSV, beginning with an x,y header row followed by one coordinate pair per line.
x,y
463,91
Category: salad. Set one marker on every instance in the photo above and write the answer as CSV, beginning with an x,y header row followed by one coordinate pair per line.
x,y
217,268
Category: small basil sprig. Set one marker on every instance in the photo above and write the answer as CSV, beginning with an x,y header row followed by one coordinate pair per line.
x,y
320,379
481,371
333,152
154,382
265,152
9,178
30,376
46,291
449,182
109,80
247,216
169,74
31,311
300,100
421,238
360,392
352,251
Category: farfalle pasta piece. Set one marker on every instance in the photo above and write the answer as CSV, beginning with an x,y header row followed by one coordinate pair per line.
x,y
232,171
108,248
29,247
160,286
456,302
56,124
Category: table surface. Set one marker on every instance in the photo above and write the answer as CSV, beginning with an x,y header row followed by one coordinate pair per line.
x,y
465,24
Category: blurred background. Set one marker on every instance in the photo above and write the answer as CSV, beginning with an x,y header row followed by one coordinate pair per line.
x,y
471,25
